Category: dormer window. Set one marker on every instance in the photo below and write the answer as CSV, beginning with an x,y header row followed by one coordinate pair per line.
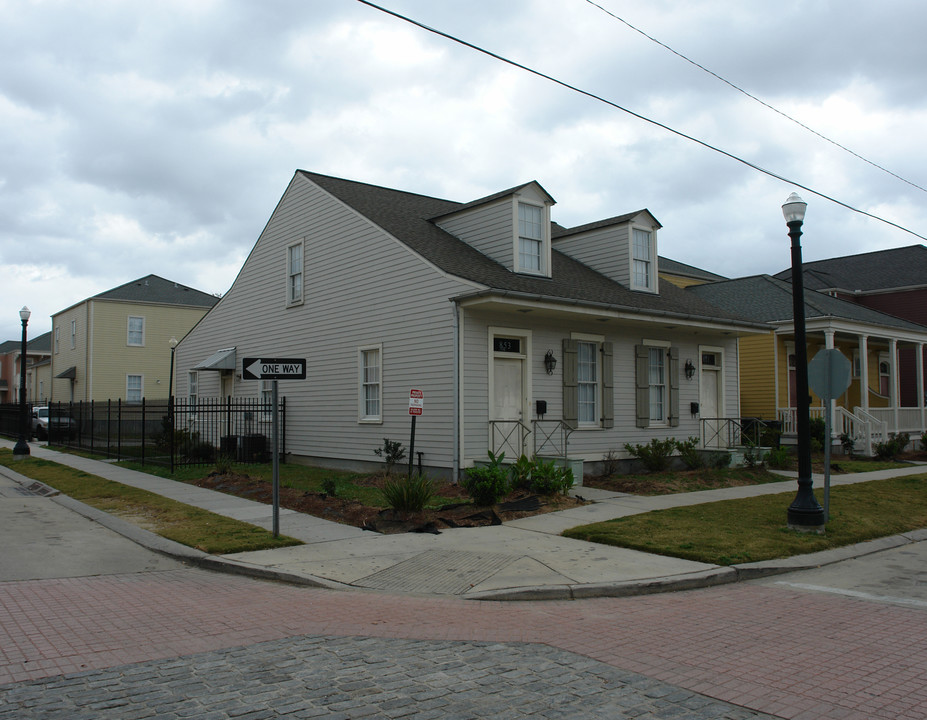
x,y
643,270
530,238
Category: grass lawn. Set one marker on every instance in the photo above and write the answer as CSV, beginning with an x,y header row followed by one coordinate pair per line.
x,y
173,520
753,529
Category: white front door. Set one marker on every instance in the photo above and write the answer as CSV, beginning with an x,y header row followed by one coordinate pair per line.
x,y
508,407
710,409
508,399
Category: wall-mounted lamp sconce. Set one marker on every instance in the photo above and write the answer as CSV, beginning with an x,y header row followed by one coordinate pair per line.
x,y
690,370
550,362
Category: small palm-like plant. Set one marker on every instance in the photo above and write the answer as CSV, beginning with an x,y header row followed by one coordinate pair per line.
x,y
410,494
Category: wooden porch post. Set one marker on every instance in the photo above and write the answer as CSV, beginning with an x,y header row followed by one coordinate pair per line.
x,y
893,379
864,372
919,350
832,403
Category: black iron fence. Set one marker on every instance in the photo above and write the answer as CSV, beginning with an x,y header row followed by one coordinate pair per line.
x,y
10,419
164,432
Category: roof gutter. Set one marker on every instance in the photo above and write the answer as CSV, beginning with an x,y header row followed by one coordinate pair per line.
x,y
618,310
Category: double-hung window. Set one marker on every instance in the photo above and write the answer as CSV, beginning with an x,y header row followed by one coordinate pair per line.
x,y
656,378
587,378
192,388
73,334
643,260
530,238
136,332
370,384
657,384
588,386
133,388
294,270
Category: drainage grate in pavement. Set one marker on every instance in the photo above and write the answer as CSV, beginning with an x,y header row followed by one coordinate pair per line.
x,y
38,488
448,572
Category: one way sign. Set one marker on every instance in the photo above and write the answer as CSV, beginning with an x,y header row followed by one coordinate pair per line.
x,y
273,368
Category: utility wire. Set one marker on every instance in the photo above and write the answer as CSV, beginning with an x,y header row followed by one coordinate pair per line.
x,y
753,97
634,114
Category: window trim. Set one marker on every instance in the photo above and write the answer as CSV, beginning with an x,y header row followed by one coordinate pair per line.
x,y
362,416
290,275
605,382
193,385
129,320
652,271
642,384
543,240
73,334
141,387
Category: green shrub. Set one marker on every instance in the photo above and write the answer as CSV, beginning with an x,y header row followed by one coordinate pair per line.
x,y
485,484
847,443
224,464
779,458
753,456
924,441
818,429
330,486
689,452
548,478
410,494
655,455
392,452
521,472
719,460
893,447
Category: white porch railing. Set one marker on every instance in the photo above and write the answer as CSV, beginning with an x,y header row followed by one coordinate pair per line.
x,y
787,416
865,427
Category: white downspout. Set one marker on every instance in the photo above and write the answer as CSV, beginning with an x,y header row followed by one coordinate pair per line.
x,y
455,453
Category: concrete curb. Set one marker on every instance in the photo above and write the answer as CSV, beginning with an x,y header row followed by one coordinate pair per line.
x,y
690,581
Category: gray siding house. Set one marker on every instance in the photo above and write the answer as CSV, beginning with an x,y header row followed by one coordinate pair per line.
x,y
523,336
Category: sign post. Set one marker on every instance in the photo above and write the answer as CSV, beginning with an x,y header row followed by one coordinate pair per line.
x,y
416,405
829,377
274,369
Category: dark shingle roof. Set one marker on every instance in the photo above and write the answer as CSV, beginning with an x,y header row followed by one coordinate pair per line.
x,y
409,218
154,289
38,344
879,270
675,267
763,298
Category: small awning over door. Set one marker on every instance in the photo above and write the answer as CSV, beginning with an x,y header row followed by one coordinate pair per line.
x,y
69,374
219,360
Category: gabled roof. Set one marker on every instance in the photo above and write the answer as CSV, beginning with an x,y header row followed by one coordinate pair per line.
x,y
879,270
38,344
154,289
763,298
560,231
409,218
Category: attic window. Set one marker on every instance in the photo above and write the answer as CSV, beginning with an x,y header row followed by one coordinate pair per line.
x,y
530,238
643,261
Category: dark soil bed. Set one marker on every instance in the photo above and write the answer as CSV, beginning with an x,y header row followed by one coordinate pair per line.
x,y
456,512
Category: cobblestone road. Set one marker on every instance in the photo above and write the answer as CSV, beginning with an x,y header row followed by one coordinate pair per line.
x,y
189,643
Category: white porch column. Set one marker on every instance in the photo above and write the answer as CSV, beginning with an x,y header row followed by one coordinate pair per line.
x,y
864,372
893,379
832,403
919,363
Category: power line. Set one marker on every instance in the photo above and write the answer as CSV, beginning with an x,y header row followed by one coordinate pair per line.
x,y
634,114
753,97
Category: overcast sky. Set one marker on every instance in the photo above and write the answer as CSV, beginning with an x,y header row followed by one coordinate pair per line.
x,y
157,137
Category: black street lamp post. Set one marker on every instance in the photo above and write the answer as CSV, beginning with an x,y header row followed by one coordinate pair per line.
x,y
21,449
805,513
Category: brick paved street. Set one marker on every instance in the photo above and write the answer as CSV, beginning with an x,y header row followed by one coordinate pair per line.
x,y
776,650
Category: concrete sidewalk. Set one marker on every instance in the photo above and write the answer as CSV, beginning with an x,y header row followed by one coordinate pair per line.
x,y
523,559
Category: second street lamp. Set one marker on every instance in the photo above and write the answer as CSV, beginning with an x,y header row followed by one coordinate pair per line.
x,y
21,449
805,513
